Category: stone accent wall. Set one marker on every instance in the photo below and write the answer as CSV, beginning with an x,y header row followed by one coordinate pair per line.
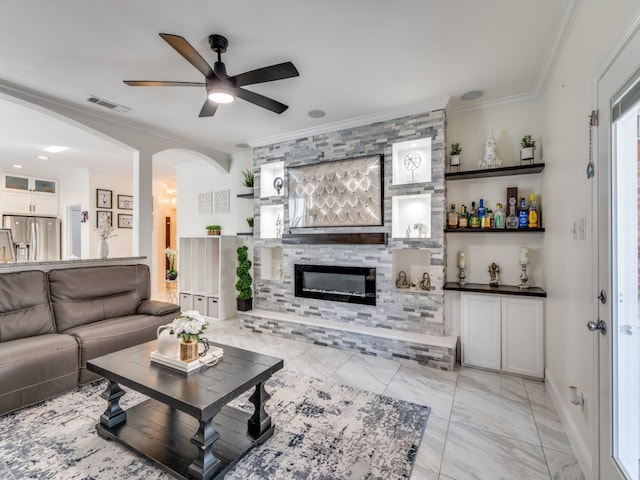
x,y
407,311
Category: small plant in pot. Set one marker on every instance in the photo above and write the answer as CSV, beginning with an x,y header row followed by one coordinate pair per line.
x,y
456,150
171,254
244,298
213,229
250,222
528,145
247,179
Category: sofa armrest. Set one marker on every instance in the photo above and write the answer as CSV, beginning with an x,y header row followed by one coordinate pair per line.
x,y
157,307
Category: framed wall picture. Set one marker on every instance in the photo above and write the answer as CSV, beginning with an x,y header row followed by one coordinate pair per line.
x,y
125,220
125,202
104,198
7,250
103,216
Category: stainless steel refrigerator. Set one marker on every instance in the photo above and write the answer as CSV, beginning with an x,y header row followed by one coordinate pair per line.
x,y
36,238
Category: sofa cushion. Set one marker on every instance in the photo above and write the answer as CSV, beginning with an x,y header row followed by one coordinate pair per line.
x,y
108,336
36,368
90,294
24,305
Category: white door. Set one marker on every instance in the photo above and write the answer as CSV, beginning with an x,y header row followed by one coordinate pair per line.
x,y
617,174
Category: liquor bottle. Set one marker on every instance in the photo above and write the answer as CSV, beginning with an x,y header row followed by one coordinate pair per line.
x,y
482,211
533,212
463,221
452,217
498,217
474,220
512,219
485,222
523,214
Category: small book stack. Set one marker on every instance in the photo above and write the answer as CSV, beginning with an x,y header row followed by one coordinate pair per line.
x,y
211,358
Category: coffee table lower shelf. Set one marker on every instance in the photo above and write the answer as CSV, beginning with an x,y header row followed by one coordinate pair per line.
x,y
163,435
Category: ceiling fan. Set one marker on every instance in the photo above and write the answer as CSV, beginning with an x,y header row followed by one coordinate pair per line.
x,y
220,87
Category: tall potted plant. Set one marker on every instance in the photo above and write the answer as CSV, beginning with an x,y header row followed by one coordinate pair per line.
x,y
247,179
244,298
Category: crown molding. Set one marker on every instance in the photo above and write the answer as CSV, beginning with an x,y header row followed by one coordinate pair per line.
x,y
429,106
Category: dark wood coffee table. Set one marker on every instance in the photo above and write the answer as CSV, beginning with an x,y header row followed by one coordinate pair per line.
x,y
186,426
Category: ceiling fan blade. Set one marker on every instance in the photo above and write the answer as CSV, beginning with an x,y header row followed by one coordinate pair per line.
x,y
208,109
261,100
190,54
159,83
266,74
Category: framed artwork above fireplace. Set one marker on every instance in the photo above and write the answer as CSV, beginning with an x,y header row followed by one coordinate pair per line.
x,y
342,193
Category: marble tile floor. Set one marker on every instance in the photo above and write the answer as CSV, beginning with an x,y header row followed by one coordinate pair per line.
x,y
483,425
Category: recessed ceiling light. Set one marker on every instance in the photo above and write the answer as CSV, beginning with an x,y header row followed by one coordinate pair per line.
x,y
316,114
55,149
472,95
15,165
243,145
43,157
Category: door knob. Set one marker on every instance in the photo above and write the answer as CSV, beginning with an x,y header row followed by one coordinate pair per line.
x,y
601,326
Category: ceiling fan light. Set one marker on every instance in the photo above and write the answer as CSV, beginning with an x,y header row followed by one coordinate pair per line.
x,y
220,94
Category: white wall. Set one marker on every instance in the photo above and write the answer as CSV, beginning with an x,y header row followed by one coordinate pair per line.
x,y
74,190
198,178
122,244
569,272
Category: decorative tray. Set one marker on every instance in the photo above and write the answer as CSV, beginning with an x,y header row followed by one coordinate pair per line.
x,y
214,354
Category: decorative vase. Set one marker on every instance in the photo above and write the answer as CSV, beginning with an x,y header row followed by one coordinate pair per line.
x,y
172,275
103,249
168,345
527,153
244,304
188,350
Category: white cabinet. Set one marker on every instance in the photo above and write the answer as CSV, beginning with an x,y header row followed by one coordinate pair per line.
x,y
503,332
29,196
206,280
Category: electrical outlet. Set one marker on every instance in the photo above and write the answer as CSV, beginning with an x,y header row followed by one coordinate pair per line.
x,y
580,229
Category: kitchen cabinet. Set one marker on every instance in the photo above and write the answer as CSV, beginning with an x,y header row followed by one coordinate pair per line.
x,y
29,196
503,333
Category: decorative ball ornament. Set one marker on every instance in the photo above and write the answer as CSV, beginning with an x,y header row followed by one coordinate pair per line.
x,y
278,183
412,162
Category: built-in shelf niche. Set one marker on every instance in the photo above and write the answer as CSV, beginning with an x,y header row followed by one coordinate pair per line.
x,y
414,263
272,263
270,217
268,174
411,161
411,216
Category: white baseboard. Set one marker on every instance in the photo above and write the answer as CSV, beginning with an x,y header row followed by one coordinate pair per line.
x,y
580,450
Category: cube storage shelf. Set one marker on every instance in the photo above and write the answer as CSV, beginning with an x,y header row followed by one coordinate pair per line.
x,y
204,283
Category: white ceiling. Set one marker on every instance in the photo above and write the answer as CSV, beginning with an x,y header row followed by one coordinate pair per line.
x,y
356,58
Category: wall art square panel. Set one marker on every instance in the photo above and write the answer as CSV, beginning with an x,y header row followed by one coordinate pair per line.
x,y
336,194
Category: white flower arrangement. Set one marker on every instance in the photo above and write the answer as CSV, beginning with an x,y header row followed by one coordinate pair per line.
x,y
105,230
188,325
171,256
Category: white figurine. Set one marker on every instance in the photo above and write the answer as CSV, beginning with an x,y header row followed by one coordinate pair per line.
x,y
490,158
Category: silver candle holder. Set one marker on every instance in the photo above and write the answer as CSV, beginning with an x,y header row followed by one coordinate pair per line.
x,y
461,275
523,277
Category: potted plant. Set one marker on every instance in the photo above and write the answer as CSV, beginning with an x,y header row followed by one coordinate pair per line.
x,y
172,274
213,229
456,150
244,298
247,179
528,145
250,223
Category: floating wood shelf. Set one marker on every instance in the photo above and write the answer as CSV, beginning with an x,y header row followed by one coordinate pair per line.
x,y
496,172
499,290
335,238
245,195
494,230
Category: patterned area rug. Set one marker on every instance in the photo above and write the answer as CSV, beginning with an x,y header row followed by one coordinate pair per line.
x,y
323,431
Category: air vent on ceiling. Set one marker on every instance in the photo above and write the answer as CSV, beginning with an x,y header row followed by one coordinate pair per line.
x,y
106,104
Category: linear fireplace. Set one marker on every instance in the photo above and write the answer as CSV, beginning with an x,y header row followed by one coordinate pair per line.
x,y
340,284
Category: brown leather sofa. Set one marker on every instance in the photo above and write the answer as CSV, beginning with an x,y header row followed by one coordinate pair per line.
x,y
52,322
